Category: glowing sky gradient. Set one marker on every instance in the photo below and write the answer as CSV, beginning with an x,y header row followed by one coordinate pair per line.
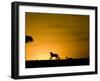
x,y
64,34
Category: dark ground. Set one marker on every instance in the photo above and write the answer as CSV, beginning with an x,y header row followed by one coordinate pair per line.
x,y
55,63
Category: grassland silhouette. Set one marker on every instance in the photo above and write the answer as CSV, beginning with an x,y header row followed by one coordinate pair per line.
x,y
56,62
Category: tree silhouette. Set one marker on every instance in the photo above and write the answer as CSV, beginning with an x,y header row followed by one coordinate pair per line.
x,y
28,39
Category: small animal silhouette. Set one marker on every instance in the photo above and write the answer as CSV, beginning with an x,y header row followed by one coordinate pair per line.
x,y
66,58
54,55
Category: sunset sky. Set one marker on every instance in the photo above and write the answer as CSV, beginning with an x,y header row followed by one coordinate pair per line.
x,y
64,34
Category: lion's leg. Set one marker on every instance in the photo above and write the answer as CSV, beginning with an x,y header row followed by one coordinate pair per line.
x,y
50,57
56,57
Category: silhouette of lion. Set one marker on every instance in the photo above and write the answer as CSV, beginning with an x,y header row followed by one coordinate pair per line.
x,y
54,55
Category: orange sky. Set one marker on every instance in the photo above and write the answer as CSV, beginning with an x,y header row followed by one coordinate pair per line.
x,y
63,34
